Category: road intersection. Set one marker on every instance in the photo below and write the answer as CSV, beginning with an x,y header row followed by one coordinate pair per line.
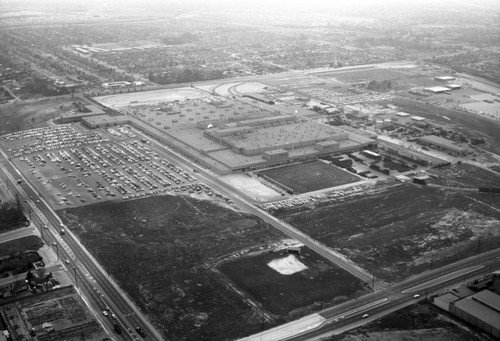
x,y
100,291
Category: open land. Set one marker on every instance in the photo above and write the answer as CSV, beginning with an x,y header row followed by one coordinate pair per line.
x,y
422,321
396,230
310,176
318,285
183,297
464,175
199,268
29,243
5,194
28,115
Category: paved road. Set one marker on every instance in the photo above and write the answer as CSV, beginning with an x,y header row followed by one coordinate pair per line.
x,y
89,277
246,203
349,314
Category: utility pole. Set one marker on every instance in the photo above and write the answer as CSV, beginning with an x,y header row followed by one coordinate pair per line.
x,y
76,278
373,283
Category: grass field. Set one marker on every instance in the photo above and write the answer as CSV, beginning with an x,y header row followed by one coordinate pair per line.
x,y
30,243
398,231
321,284
310,176
156,249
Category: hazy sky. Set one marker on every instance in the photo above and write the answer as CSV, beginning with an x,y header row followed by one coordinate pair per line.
x,y
5,4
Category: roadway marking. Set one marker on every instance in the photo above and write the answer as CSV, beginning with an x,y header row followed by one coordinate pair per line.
x,y
358,310
442,279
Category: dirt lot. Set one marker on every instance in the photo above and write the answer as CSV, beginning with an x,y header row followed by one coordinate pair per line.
x,y
420,321
310,176
320,284
464,175
397,231
156,249
27,115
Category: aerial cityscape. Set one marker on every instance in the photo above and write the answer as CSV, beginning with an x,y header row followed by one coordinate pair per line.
x,y
249,170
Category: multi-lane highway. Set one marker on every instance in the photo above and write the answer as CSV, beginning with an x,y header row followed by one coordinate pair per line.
x,y
384,299
350,314
89,277
101,291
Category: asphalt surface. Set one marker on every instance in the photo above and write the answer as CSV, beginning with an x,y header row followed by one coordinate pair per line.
x,y
91,280
246,203
101,291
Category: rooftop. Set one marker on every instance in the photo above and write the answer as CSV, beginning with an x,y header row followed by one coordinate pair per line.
x,y
480,311
440,141
488,298
437,89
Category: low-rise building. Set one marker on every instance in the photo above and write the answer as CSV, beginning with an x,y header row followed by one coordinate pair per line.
x,y
481,309
443,144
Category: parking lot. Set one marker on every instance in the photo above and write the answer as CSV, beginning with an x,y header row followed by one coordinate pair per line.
x,y
71,166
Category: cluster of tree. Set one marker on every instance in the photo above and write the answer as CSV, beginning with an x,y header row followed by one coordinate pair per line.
x,y
20,262
12,215
44,87
184,76
184,38
380,86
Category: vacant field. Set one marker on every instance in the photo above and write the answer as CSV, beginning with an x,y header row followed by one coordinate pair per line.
x,y
22,116
398,231
310,176
156,249
366,74
320,284
465,175
30,243
421,321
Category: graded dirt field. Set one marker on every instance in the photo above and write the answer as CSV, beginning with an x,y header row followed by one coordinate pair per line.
x,y
311,176
286,283
157,249
422,321
400,230
28,115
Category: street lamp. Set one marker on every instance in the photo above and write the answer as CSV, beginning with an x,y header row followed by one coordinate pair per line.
x,y
76,278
